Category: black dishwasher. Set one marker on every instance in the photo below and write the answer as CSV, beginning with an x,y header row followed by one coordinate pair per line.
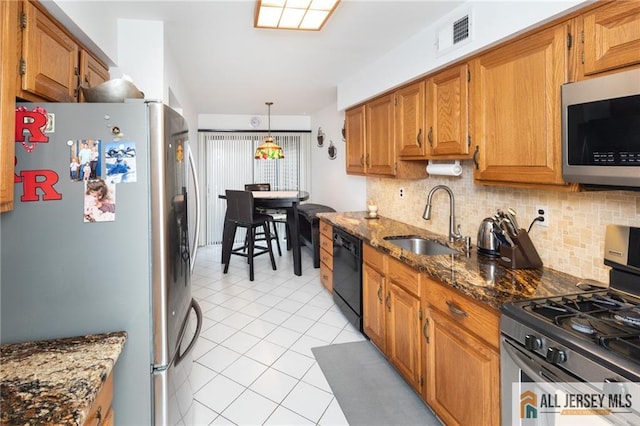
x,y
347,275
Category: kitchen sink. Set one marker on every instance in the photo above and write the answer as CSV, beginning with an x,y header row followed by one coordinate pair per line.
x,y
419,245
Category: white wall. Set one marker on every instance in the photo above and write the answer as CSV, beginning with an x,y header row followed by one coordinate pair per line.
x,y
141,55
491,22
330,184
243,121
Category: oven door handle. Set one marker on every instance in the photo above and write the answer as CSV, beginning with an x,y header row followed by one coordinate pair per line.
x,y
535,370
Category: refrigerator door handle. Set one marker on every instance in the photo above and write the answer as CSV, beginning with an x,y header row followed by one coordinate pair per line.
x,y
196,187
196,307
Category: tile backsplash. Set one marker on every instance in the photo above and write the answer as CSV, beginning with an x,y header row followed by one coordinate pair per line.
x,y
573,242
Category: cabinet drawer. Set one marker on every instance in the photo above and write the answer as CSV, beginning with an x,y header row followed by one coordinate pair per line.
x,y
374,258
326,276
101,408
326,258
482,321
326,229
404,276
326,243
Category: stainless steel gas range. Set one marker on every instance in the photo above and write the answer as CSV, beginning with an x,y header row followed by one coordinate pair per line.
x,y
584,343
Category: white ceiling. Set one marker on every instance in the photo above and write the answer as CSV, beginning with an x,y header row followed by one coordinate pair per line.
x,y
229,67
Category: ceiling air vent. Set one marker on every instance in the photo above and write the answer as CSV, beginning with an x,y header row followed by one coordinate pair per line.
x,y
461,30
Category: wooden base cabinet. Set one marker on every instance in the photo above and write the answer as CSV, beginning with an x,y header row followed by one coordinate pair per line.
x,y
444,344
463,374
374,265
392,312
326,255
403,323
101,411
461,346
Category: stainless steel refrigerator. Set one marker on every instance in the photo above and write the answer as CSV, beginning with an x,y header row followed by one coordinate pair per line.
x,y
99,240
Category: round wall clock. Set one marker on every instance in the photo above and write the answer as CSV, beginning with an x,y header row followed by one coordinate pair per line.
x,y
255,122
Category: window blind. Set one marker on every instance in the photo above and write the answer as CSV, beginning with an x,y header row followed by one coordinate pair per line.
x,y
226,162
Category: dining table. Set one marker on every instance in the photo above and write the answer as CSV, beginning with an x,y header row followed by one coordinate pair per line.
x,y
287,200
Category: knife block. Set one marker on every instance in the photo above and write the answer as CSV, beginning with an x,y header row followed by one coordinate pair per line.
x,y
522,255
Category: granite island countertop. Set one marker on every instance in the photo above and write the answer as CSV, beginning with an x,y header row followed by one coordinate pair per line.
x,y
55,382
477,276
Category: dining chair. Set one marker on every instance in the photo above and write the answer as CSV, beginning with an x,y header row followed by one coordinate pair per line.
x,y
277,215
241,213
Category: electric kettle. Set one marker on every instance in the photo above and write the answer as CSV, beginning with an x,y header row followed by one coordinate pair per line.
x,y
488,243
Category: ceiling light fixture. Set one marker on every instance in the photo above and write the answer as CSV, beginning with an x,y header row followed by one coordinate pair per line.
x,y
293,14
269,150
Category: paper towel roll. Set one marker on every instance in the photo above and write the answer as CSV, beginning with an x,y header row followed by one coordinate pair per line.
x,y
445,169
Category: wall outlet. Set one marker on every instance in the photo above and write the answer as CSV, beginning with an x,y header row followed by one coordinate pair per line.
x,y
401,193
543,212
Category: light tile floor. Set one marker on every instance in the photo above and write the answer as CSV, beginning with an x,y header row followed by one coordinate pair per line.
x,y
253,360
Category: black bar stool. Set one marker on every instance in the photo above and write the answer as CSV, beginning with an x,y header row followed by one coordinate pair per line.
x,y
277,216
241,213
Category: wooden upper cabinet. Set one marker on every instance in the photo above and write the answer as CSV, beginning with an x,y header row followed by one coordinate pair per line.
x,y
516,110
432,116
49,58
411,134
380,149
355,140
92,71
447,113
611,37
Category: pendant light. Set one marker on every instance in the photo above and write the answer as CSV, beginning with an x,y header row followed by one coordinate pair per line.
x,y
269,150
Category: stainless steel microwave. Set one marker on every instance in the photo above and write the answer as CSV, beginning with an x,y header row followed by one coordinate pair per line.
x,y
601,131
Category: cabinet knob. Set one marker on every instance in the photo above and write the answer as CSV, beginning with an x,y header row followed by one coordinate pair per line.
x,y
419,138
430,136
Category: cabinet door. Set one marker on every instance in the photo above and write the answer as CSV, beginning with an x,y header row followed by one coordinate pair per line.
x,y
403,333
463,375
92,71
447,125
373,305
410,121
50,57
9,18
354,130
380,136
611,37
515,109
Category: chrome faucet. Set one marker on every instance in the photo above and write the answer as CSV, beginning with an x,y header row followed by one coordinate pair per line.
x,y
454,234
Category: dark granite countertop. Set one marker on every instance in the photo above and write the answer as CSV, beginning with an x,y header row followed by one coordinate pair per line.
x,y
55,382
477,276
